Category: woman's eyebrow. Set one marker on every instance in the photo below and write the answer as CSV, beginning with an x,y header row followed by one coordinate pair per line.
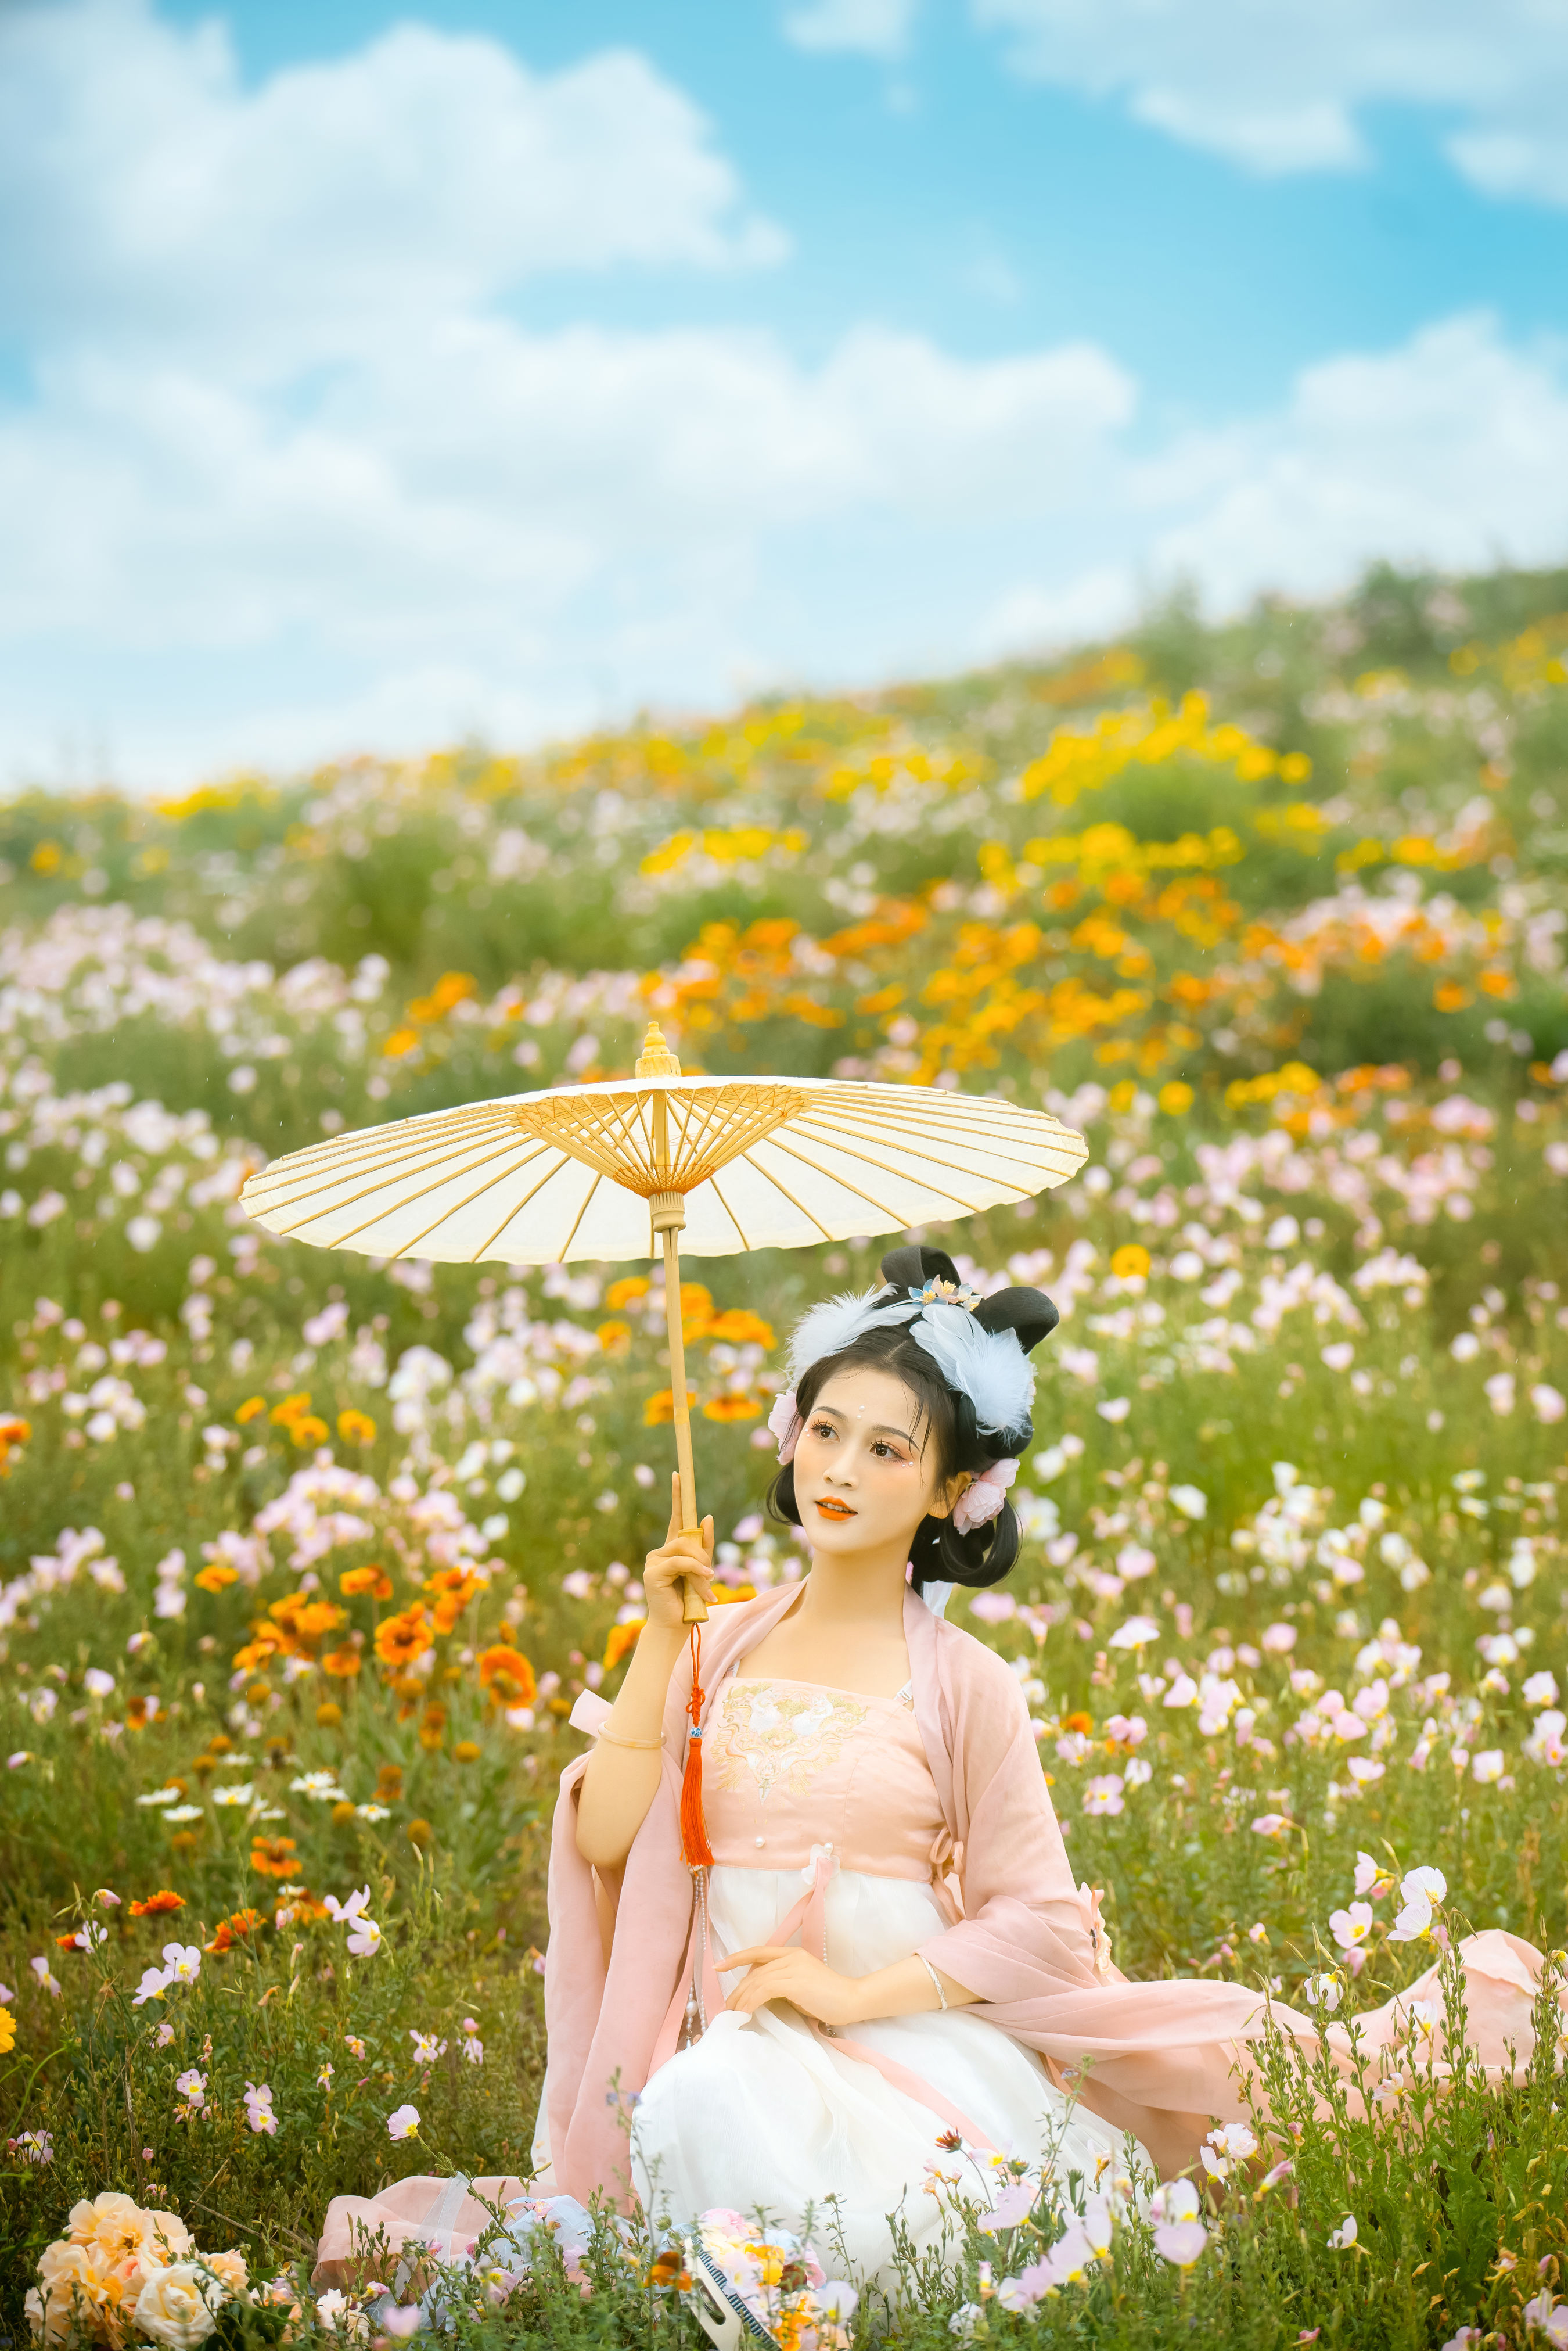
x,y
881,1428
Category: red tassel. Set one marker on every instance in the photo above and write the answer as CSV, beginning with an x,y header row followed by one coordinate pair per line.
x,y
695,1849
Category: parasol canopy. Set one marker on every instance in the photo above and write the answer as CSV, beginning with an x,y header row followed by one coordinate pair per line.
x,y
583,1171
620,1170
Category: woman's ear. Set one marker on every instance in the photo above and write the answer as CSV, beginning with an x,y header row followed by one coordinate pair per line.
x,y
945,1501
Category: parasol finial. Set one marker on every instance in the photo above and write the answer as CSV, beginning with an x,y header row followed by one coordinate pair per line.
x,y
656,1060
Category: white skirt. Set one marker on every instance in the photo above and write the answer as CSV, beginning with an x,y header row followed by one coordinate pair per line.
x,y
763,2112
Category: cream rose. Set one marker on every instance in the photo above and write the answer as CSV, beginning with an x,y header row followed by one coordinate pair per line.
x,y
230,2268
178,2305
114,2221
71,2284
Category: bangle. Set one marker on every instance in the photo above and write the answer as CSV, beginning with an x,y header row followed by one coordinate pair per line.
x,y
935,1979
613,1738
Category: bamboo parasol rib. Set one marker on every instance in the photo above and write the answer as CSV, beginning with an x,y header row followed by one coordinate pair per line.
x,y
624,1168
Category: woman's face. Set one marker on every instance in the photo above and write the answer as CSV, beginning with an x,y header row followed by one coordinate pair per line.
x,y
864,1465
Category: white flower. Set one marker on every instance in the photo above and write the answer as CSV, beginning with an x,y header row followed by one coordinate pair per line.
x,y
403,2122
1175,2200
1226,2147
1340,2240
1352,1927
1190,1500
1540,1689
473,2051
183,1961
258,2108
244,1793
1180,2242
427,2048
191,2085
178,2306
154,1983
1487,1765
366,1939
1323,1991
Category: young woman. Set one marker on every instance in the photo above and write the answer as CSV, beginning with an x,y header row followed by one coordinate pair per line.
x,y
887,1945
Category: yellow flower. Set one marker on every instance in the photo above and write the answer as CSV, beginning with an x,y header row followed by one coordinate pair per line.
x,y
7,2030
1130,1262
249,1409
731,1407
400,1041
614,1337
355,1427
740,1328
660,1408
214,1577
1175,1098
623,1293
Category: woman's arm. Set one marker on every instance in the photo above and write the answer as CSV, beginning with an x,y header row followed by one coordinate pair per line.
x,y
620,1782
780,1971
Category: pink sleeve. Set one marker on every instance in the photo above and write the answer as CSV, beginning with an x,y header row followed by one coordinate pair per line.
x,y
1025,1929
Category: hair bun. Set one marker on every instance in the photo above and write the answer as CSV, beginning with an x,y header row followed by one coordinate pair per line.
x,y
1028,1314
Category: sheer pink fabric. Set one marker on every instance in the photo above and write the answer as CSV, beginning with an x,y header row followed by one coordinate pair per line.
x,y
422,2212
1162,2058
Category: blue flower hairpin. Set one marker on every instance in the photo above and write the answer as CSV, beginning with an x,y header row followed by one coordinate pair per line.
x,y
948,1293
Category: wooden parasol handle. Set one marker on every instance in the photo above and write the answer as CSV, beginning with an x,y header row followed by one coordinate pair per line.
x,y
668,1209
694,1609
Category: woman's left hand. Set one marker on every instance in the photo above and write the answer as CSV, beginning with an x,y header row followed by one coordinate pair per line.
x,y
781,1971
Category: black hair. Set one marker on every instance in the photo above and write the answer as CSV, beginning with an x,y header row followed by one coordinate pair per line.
x,y
939,1552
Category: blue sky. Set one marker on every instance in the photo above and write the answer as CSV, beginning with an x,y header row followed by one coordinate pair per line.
x,y
371,376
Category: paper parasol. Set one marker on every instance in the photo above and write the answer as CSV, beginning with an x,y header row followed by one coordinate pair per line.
x,y
621,1169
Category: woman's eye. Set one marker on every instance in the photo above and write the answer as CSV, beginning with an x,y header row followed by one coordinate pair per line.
x,y
891,1451
823,1428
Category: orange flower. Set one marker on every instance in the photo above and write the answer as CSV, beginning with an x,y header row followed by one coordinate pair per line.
x,y
307,1430
373,1579
622,1637
257,1655
661,1408
400,1041
731,1407
318,1616
615,1338
740,1328
507,1675
467,1750
341,1664
291,1409
249,1409
401,1639
626,1293
723,1594
274,1857
433,1729
696,1310
454,1590
216,1576
13,1431
1078,1721
157,1903
235,1928
139,1712
1130,1262
355,1427
1451,997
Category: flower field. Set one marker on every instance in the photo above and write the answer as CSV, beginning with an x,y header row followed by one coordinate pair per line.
x,y
303,1557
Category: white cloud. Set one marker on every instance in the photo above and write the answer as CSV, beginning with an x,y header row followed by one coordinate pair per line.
x,y
147,197
1280,88
1451,450
873,28
292,479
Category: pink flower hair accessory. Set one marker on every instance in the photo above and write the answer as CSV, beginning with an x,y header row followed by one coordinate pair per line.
x,y
784,1422
982,1502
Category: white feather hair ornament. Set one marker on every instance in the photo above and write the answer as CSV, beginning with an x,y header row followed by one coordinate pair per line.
x,y
828,1329
989,1367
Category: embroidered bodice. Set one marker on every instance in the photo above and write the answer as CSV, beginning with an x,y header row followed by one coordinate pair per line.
x,y
792,1765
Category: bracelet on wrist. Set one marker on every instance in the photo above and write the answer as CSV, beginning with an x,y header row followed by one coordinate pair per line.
x,y
614,1738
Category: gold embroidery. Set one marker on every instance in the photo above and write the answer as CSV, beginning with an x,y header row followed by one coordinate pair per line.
x,y
768,1735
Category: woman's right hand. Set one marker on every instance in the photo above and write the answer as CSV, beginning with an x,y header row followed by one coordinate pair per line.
x,y
681,1555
